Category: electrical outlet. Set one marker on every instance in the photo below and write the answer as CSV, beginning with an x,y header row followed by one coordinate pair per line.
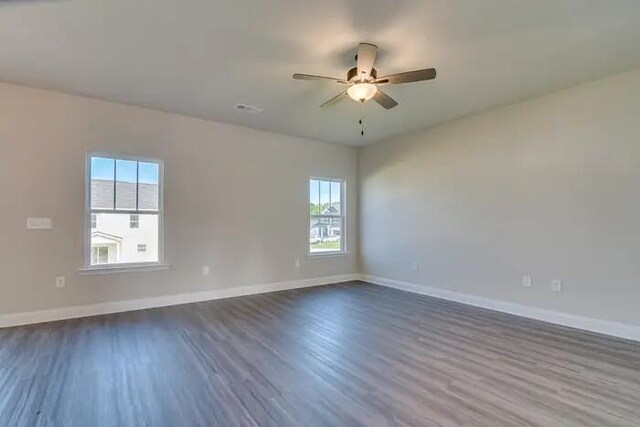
x,y
415,266
297,263
527,281
556,285
206,271
61,282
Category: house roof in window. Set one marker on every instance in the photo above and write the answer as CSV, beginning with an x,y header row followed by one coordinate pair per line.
x,y
332,209
102,195
96,236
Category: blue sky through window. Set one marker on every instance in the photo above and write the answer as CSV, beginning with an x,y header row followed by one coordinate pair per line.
x,y
324,191
103,169
148,173
126,171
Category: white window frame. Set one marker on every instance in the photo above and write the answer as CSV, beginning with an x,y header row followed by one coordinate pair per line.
x,y
342,216
130,266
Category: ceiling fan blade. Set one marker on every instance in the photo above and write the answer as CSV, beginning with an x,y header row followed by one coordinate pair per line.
x,y
298,76
335,99
385,100
366,58
409,76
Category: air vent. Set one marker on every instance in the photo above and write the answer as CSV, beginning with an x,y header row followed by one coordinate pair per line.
x,y
248,108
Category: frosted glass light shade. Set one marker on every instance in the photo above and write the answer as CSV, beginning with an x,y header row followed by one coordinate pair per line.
x,y
362,91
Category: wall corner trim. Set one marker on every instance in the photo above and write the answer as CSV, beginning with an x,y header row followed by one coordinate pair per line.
x,y
72,312
615,329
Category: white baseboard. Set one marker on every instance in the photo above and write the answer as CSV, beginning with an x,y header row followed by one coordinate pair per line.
x,y
606,327
25,318
615,329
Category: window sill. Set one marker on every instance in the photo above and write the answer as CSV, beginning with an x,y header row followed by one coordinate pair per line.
x,y
327,254
122,269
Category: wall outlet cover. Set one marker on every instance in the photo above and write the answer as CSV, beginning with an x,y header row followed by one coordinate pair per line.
x,y
556,285
415,266
206,270
61,282
527,281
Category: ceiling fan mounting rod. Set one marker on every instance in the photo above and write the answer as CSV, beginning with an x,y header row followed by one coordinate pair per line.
x,y
352,75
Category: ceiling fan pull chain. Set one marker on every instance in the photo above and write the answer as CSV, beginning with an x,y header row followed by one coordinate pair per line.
x,y
361,121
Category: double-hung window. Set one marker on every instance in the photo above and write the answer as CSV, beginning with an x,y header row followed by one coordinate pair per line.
x,y
327,216
124,211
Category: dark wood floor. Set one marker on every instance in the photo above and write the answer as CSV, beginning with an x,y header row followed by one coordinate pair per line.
x,y
343,355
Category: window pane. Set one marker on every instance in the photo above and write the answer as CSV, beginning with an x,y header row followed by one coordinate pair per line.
x,y
99,255
324,235
103,255
314,196
126,177
102,176
336,189
114,242
149,177
325,193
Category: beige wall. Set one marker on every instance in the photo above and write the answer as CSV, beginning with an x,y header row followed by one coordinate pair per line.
x,y
549,187
235,199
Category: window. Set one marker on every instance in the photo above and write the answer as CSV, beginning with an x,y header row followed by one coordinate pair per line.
x,y
99,255
124,208
327,213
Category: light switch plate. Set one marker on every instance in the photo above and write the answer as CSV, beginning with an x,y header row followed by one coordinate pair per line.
x,y
206,270
39,223
527,281
556,285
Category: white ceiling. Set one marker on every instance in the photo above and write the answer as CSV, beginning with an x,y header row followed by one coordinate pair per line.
x,y
201,57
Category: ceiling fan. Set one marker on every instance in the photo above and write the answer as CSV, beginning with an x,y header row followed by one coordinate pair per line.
x,y
363,82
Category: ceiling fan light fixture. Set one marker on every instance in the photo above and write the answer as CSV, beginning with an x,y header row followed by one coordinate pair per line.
x,y
362,92
362,80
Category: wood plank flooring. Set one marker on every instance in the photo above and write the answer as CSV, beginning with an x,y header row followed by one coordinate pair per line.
x,y
351,354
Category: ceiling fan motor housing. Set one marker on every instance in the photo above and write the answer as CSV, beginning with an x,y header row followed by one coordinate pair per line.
x,y
352,74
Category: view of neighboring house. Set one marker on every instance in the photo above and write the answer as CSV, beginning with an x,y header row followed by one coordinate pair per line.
x,y
124,237
326,214
324,232
332,209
